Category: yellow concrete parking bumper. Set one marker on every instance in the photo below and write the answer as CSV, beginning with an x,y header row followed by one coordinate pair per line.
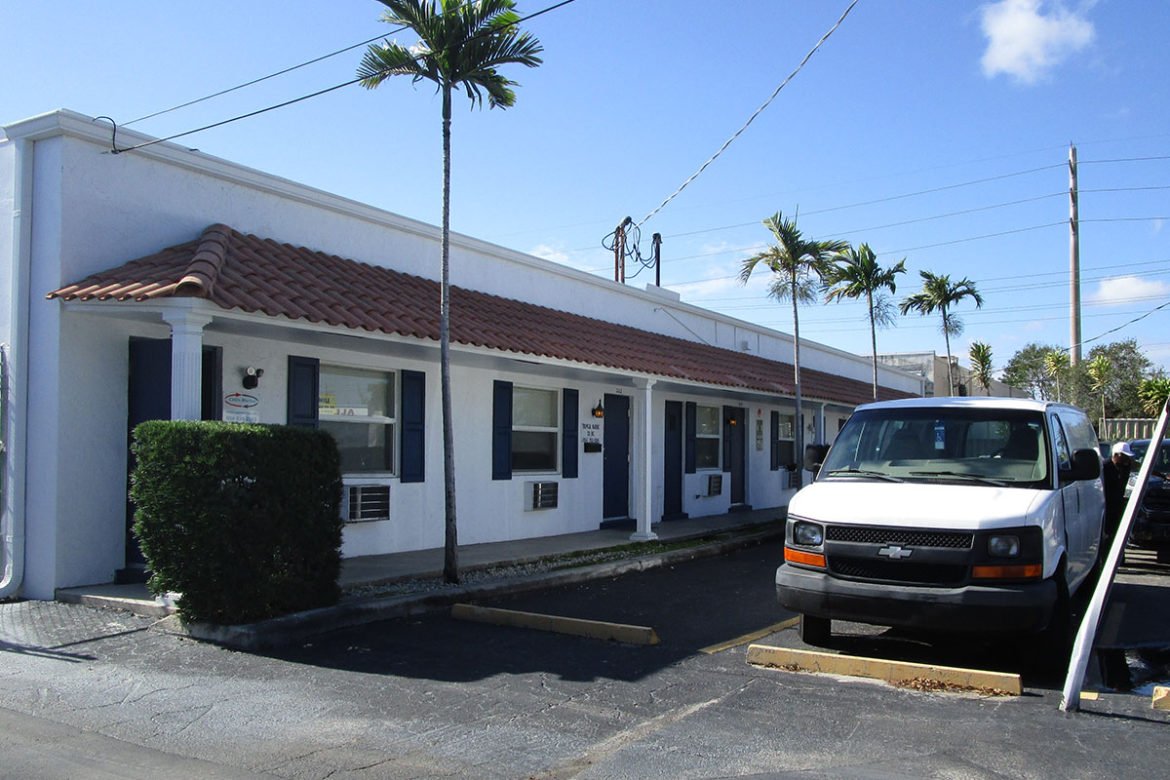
x,y
902,673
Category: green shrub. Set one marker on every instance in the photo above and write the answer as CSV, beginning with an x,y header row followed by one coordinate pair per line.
x,y
242,520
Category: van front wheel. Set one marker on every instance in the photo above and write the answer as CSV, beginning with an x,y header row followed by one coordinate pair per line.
x,y
815,631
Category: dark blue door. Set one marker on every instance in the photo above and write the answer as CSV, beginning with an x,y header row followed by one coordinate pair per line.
x,y
149,398
616,458
735,453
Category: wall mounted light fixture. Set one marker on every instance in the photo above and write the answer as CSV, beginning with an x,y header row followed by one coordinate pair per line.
x,y
252,377
599,410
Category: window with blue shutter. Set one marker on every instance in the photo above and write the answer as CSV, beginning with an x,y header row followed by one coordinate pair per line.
x,y
501,430
691,423
302,391
569,433
412,429
774,440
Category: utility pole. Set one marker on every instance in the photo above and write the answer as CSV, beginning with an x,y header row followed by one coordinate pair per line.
x,y
656,242
619,251
1074,261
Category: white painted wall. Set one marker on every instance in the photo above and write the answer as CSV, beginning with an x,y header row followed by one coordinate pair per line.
x,y
95,210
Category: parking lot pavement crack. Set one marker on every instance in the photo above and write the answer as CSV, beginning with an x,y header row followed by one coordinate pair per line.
x,y
612,745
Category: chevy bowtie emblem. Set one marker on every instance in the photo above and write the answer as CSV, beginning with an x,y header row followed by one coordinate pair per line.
x,y
894,552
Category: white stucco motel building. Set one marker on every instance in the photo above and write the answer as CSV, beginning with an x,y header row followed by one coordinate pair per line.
x,y
166,283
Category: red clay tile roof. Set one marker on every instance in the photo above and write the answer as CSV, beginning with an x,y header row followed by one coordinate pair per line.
x,y
251,274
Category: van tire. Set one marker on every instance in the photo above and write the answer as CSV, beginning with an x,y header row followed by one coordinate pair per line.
x,y
815,631
1056,639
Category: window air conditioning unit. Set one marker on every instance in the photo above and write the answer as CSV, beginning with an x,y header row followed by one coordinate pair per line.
x,y
714,484
365,503
540,495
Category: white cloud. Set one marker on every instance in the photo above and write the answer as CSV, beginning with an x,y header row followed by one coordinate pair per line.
x,y
1125,289
1025,43
547,252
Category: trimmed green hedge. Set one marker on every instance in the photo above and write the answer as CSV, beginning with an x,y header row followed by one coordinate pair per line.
x,y
242,520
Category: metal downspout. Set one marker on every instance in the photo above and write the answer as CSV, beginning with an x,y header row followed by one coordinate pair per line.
x,y
15,385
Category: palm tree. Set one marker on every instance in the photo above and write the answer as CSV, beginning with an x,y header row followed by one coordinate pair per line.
x,y
939,294
1100,371
857,273
981,364
1055,365
798,266
461,44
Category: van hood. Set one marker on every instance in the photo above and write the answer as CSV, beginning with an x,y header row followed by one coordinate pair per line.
x,y
915,504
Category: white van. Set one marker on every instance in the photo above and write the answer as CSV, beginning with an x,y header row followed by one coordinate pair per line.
x,y
947,514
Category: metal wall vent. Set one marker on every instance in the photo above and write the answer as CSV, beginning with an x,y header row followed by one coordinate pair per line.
x,y
541,495
714,484
365,503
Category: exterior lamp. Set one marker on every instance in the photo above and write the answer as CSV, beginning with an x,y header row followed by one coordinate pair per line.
x,y
599,410
252,377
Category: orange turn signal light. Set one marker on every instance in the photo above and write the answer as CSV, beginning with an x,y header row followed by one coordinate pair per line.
x,y
1024,571
806,558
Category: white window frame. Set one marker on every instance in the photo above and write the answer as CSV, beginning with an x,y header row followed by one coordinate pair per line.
x,y
790,438
389,421
555,429
717,437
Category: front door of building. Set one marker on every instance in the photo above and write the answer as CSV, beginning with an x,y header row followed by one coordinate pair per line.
x,y
149,398
616,458
735,454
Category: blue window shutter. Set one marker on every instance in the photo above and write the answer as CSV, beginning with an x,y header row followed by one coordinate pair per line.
x,y
692,413
727,412
775,444
501,430
412,427
570,409
303,390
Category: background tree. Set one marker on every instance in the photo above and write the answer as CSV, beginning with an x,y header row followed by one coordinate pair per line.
x,y
1026,371
1153,393
940,294
1100,373
1056,366
980,354
1129,367
462,43
856,274
798,267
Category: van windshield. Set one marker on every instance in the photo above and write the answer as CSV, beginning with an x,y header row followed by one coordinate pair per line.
x,y
1002,447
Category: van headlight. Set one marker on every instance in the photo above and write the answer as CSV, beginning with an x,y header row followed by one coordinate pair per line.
x,y
808,534
1003,546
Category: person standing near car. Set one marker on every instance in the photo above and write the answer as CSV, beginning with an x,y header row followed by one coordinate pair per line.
x,y
1115,476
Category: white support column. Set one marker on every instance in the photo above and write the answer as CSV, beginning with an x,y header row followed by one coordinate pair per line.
x,y
644,530
186,362
820,434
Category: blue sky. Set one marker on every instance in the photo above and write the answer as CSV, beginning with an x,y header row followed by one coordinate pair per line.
x,y
935,131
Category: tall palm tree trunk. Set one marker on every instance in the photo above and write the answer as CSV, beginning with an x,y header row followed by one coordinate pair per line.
x,y
796,380
947,337
451,534
873,342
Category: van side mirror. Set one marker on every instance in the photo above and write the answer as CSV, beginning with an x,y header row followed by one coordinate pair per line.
x,y
1086,464
814,456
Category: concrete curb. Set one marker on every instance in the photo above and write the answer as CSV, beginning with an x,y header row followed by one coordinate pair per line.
x,y
297,627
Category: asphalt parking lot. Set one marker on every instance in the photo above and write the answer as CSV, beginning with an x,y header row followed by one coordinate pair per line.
x,y
100,694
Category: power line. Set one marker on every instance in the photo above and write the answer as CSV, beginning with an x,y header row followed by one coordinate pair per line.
x,y
751,118
310,96
263,78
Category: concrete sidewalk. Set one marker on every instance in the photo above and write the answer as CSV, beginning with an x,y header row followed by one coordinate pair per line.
x,y
361,576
